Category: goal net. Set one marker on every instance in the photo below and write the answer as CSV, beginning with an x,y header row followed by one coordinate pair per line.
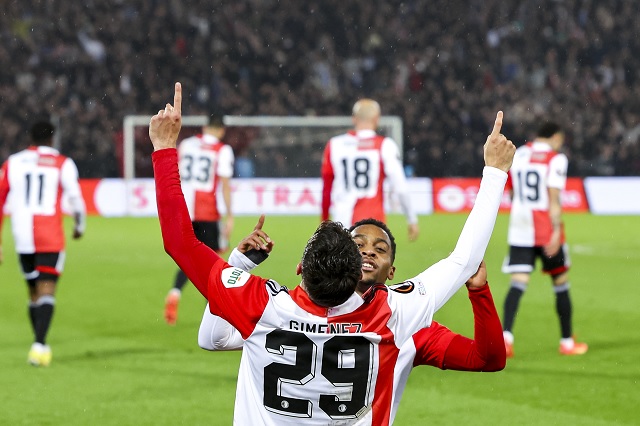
x,y
264,146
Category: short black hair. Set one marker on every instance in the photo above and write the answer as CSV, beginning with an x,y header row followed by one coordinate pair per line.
x,y
382,226
331,265
548,129
42,131
216,120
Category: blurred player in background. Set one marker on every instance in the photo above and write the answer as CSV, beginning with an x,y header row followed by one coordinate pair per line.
x,y
205,162
435,345
354,167
536,180
34,182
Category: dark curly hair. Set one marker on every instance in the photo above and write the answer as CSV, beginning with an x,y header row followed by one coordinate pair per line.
x,y
382,226
42,131
548,129
331,265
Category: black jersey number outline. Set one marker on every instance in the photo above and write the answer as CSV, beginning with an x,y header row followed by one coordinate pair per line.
x,y
346,363
40,188
532,181
360,173
197,168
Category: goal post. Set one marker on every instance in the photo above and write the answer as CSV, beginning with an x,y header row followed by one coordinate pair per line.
x,y
300,136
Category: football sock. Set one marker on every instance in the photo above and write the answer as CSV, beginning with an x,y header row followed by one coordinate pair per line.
x,y
563,308
43,316
511,304
32,315
180,280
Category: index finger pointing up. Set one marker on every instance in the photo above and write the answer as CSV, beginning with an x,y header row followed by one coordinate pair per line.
x,y
497,126
260,223
177,98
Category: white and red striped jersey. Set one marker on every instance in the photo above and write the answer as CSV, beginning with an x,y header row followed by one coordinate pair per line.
x,y
436,345
303,362
354,168
536,168
34,182
203,160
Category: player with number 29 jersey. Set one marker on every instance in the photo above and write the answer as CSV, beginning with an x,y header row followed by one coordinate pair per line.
x,y
354,168
536,167
305,363
203,160
34,181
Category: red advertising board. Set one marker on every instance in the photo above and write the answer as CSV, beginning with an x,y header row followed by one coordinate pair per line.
x,y
458,195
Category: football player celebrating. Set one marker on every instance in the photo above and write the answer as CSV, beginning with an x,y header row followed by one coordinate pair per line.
x,y
346,346
436,345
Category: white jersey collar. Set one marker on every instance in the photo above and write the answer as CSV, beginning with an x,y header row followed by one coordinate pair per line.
x,y
209,139
352,303
365,133
541,145
43,149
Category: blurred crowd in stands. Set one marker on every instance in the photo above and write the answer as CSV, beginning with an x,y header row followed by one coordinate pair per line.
x,y
444,66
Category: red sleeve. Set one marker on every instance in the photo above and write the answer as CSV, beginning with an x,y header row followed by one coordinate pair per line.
x,y
486,352
226,288
4,191
240,298
327,181
431,345
194,258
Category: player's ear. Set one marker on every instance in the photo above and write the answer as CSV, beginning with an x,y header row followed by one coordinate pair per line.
x,y
299,269
392,273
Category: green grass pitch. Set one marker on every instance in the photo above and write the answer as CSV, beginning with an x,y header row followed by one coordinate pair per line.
x,y
115,361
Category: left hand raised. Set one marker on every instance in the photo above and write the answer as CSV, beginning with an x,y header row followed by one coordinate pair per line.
x,y
165,125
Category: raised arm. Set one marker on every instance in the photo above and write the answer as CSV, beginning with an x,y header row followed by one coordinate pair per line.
x,y
216,334
445,277
180,242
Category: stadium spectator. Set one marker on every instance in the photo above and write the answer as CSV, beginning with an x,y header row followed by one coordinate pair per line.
x,y
536,179
436,345
573,60
34,181
205,163
271,317
354,167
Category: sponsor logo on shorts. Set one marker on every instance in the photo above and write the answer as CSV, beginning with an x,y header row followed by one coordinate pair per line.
x,y
234,277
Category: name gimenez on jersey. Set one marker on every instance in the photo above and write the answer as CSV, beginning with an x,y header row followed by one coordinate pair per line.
x,y
333,328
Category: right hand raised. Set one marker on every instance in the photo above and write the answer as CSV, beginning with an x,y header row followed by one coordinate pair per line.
x,y
479,279
498,150
258,239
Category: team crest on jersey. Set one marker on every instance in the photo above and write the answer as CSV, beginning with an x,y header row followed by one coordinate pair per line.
x,y
234,277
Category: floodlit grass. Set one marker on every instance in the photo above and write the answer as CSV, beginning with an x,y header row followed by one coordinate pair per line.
x,y
115,361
